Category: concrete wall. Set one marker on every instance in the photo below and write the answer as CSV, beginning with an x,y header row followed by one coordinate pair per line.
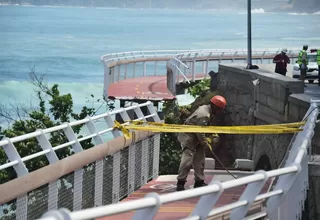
x,y
258,97
262,97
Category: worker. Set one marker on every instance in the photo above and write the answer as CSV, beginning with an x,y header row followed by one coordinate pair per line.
x,y
303,62
281,60
194,144
318,62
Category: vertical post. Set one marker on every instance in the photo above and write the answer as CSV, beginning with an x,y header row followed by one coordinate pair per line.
x,y
119,72
134,70
78,174
107,73
21,170
249,59
98,177
144,68
125,71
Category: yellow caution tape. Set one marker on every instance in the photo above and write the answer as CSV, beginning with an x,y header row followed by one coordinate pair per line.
x,y
174,128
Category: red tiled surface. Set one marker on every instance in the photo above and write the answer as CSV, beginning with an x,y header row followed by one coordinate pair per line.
x,y
143,88
180,209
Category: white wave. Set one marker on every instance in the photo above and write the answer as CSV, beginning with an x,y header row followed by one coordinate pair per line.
x,y
317,13
301,38
10,91
258,11
295,13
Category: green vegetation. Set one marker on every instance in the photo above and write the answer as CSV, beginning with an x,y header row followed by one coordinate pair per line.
x,y
54,109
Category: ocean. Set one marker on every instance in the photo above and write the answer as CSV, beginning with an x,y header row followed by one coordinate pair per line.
x,y
66,43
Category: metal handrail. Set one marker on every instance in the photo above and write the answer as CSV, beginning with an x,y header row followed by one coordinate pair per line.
x,y
133,54
18,162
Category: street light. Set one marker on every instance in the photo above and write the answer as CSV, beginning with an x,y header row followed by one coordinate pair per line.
x,y
249,58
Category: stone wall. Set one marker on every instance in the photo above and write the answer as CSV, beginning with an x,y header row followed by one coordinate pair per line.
x,y
255,97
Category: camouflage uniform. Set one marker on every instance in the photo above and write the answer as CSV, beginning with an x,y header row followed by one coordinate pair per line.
x,y
194,145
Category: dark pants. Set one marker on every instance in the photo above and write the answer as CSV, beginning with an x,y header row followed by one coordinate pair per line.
x,y
282,72
319,75
303,72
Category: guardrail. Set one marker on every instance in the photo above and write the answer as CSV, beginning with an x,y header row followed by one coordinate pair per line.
x,y
127,65
18,163
289,190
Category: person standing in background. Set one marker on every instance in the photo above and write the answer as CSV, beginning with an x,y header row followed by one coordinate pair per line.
x,y
318,62
303,63
281,60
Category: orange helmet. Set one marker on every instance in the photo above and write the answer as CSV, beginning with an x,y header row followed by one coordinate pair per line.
x,y
219,101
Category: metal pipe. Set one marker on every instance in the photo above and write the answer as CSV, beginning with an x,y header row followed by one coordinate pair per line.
x,y
249,36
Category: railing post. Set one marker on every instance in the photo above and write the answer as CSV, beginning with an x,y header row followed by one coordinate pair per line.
x,y
144,68
116,177
46,145
139,113
249,194
13,155
148,213
131,168
98,177
193,70
156,154
119,72
52,158
21,170
284,183
110,123
125,71
107,73
152,111
206,202
111,78
204,69
78,174
134,70
144,161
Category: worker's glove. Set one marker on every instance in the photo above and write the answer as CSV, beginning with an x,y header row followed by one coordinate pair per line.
x,y
214,139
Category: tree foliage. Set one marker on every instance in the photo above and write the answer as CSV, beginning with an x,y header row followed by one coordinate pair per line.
x,y
54,109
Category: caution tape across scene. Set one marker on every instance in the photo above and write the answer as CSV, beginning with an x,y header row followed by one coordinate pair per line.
x,y
175,128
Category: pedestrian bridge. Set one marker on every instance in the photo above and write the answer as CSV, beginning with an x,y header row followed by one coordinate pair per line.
x,y
88,184
141,75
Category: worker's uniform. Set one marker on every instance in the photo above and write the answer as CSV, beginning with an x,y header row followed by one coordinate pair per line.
x,y
303,62
318,62
194,146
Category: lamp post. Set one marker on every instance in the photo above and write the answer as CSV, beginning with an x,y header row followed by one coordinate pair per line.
x,y
249,58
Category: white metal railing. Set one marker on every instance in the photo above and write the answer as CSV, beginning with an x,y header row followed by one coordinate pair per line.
x,y
126,65
289,191
18,162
